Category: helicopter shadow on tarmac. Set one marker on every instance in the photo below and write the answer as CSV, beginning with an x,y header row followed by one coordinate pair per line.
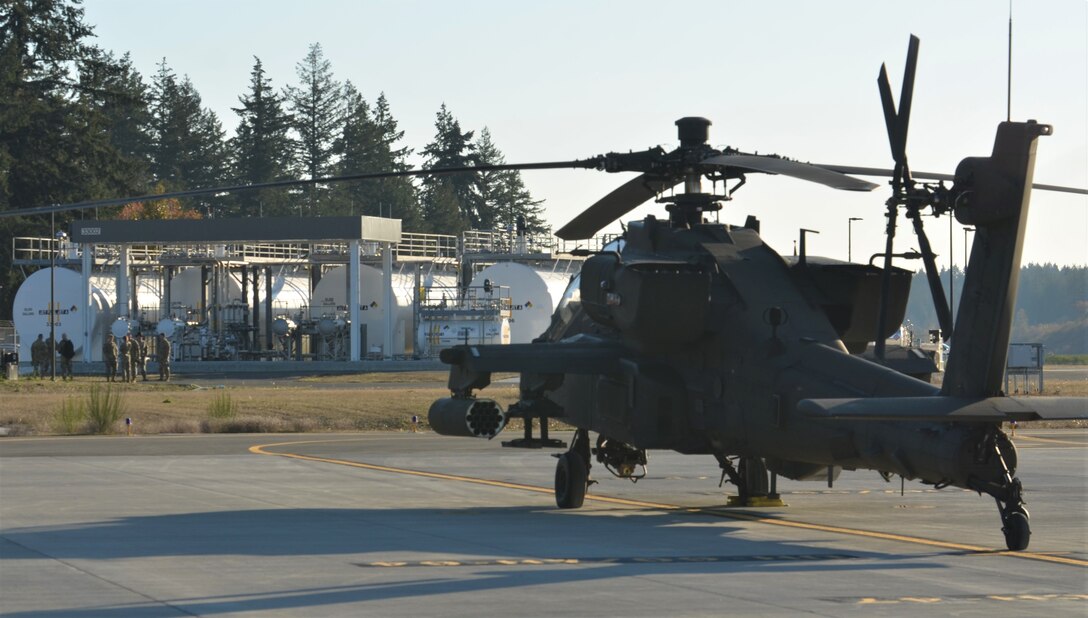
x,y
409,553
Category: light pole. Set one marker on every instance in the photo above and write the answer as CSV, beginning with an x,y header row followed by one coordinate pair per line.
x,y
850,237
54,238
951,275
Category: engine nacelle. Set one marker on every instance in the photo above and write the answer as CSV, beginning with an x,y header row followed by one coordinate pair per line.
x,y
467,418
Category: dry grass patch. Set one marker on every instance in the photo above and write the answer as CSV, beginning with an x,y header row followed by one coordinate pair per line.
x,y
392,377
32,407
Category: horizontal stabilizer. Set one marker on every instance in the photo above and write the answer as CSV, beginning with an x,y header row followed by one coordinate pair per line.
x,y
948,409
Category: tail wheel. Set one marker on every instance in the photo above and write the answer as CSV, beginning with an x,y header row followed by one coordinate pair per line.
x,y
571,480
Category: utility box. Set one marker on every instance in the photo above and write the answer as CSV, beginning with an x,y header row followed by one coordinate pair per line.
x,y
9,350
1025,362
1025,356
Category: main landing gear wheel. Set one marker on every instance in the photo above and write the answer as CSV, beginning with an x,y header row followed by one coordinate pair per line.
x,y
571,480
1017,531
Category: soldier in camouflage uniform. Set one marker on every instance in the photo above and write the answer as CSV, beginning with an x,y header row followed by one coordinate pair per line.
x,y
133,358
141,356
126,365
37,356
109,356
162,353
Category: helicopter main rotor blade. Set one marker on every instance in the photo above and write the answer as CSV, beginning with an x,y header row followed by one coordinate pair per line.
x,y
804,171
619,202
888,173
278,184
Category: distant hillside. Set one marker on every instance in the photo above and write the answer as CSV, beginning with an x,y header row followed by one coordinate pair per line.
x,y
1051,306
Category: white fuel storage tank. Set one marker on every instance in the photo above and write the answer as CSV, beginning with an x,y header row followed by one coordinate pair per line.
x,y
330,298
185,291
290,293
534,295
31,311
148,294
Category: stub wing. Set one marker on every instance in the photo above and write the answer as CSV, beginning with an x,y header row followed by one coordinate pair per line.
x,y
948,409
575,355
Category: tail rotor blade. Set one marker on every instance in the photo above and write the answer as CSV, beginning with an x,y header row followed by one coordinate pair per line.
x,y
907,96
936,288
890,119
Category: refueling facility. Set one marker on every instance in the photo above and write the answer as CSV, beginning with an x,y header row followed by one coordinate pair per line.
x,y
281,289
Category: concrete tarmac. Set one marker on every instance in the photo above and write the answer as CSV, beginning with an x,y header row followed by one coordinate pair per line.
x,y
422,525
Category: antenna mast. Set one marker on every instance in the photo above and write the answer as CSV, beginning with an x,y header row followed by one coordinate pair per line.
x,y
1008,105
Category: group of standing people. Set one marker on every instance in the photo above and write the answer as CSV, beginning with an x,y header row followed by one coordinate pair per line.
x,y
131,357
43,354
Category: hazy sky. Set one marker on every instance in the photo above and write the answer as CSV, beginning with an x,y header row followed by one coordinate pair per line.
x,y
558,80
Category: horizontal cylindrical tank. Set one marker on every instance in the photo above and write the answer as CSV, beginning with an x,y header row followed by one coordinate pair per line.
x,y
290,292
331,298
148,292
185,290
534,295
31,311
436,335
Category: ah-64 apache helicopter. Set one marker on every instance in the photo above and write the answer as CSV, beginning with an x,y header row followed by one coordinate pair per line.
x,y
698,337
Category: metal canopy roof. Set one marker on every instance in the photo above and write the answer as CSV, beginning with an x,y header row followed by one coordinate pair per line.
x,y
270,229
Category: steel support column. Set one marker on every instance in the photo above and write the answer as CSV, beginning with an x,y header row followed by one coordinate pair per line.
x,y
354,292
387,298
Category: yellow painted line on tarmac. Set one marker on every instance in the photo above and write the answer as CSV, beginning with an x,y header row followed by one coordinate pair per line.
x,y
717,512
1048,440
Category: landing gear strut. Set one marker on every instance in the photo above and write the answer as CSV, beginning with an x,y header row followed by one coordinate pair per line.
x,y
1014,517
572,473
1009,493
750,478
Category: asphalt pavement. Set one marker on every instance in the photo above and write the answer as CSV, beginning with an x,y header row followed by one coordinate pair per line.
x,y
422,525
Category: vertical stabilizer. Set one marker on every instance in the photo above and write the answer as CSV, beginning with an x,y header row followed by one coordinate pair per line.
x,y
992,194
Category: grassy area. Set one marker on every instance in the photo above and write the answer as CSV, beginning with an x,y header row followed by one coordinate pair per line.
x,y
1067,359
364,402
43,408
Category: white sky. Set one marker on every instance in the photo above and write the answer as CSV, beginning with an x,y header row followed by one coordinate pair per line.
x,y
568,79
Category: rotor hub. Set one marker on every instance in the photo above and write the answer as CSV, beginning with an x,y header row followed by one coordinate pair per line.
x,y
694,131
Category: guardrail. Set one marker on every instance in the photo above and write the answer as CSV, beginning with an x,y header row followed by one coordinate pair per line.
x,y
413,246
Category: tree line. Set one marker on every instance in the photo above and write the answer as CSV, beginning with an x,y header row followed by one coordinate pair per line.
x,y
78,122
1051,306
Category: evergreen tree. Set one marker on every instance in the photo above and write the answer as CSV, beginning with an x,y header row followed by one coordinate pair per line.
x,y
55,146
368,144
262,147
317,105
187,139
38,41
451,148
116,90
503,196
442,210
398,197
